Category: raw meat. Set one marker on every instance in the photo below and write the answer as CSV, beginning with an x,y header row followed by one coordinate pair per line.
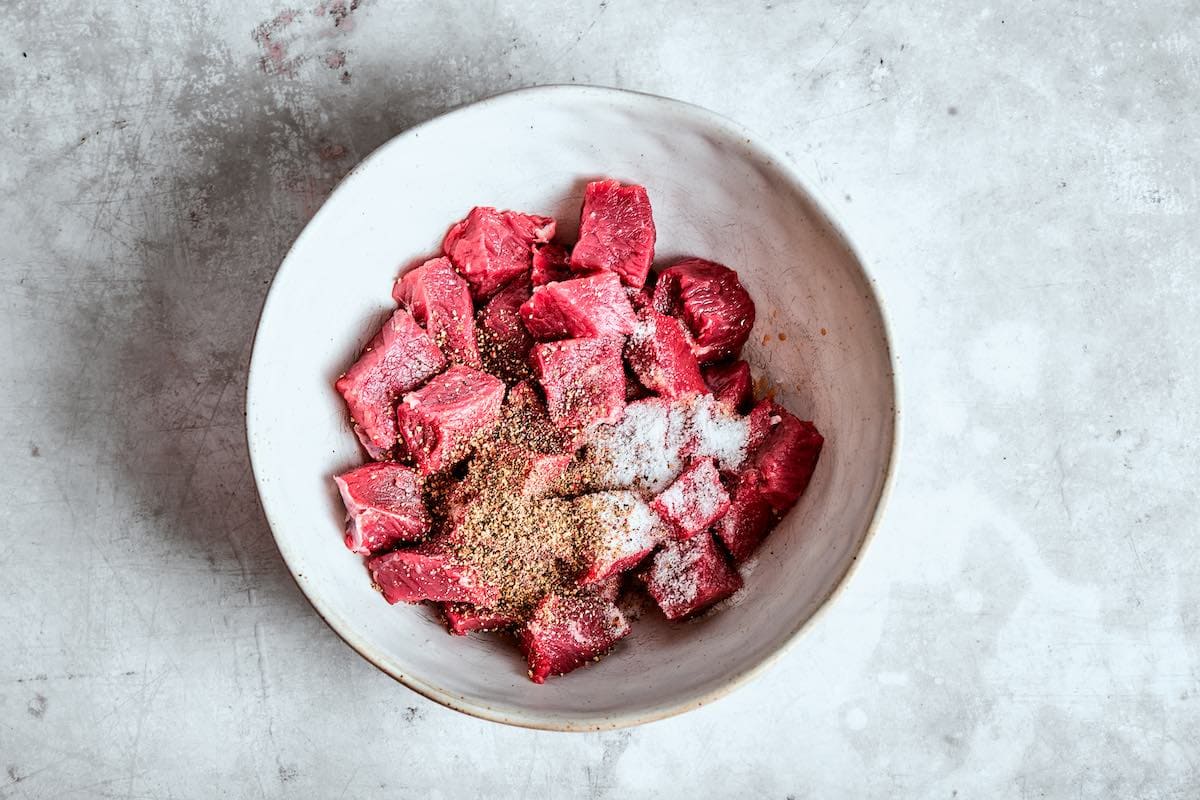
x,y
731,383
504,342
397,360
660,354
584,381
489,247
749,519
428,572
439,421
713,304
765,415
786,459
383,506
550,263
616,232
688,576
594,305
695,500
523,471
625,531
568,632
462,618
440,299
622,454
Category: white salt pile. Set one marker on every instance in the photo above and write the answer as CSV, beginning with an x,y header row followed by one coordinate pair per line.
x,y
650,446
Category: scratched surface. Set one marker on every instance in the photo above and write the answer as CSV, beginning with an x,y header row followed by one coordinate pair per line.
x,y
1023,178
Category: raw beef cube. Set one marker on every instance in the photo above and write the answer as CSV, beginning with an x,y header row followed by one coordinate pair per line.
x,y
623,530
661,356
429,572
397,360
490,248
584,381
694,501
452,504
786,458
550,263
749,519
713,304
462,618
439,421
616,232
383,506
523,471
765,415
688,576
440,299
731,383
567,632
504,341
594,305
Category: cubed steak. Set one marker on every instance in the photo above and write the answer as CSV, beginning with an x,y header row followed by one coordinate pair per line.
x,y
686,577
616,232
622,530
786,458
440,299
490,247
594,305
550,263
566,632
695,500
520,470
383,506
429,572
584,381
440,421
731,383
762,419
398,359
749,518
462,618
660,354
504,342
713,304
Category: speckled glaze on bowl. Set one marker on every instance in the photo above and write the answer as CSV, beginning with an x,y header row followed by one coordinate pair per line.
x,y
717,192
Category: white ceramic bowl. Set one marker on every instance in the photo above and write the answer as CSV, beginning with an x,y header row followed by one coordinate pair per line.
x,y
718,193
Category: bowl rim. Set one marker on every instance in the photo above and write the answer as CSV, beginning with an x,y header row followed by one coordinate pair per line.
x,y
757,146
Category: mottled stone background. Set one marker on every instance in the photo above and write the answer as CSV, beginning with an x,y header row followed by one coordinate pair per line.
x,y
1023,179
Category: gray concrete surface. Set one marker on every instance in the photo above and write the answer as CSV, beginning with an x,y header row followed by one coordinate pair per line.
x,y
1023,177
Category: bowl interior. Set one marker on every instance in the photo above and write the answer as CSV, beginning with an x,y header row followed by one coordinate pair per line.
x,y
819,341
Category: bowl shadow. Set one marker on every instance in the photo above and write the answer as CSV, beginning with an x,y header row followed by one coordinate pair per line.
x,y
207,260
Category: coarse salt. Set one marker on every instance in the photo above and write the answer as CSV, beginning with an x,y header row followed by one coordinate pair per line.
x,y
673,571
650,445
